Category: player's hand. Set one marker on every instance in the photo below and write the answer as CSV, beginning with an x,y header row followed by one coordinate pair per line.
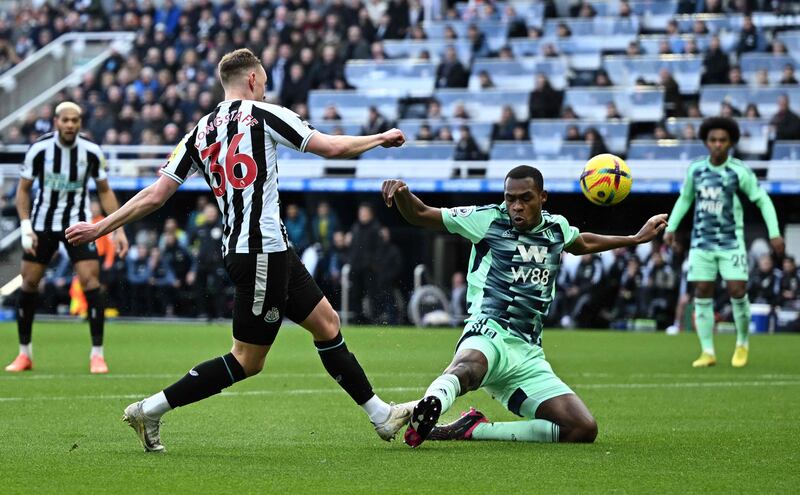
x,y
81,233
120,242
669,238
29,243
392,187
778,245
652,228
393,138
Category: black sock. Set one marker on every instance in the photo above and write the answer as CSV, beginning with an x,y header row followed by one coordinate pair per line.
x,y
96,300
343,366
205,380
26,308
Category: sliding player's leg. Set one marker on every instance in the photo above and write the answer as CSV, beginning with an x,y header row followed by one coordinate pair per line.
x,y
307,306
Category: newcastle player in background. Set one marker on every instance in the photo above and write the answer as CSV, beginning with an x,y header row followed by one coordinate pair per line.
x,y
62,162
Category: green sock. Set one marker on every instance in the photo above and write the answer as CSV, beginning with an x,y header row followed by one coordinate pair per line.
x,y
446,388
536,430
741,317
704,321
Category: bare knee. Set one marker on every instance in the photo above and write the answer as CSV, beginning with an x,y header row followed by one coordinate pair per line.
x,y
251,360
325,325
583,430
470,374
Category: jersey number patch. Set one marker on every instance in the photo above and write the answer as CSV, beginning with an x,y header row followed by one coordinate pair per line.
x,y
227,174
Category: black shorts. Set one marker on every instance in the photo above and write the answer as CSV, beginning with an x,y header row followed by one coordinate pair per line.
x,y
269,286
47,245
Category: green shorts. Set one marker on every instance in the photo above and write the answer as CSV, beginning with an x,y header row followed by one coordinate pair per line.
x,y
518,376
704,265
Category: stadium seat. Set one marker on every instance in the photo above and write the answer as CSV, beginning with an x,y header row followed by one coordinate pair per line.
x,y
714,22
786,150
755,133
548,135
484,105
651,44
754,62
511,151
410,76
597,26
286,153
686,69
413,49
665,149
352,105
495,31
481,131
415,151
739,96
418,169
330,127
642,105
519,74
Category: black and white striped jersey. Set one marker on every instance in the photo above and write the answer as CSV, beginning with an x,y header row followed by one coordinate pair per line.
x,y
63,174
234,148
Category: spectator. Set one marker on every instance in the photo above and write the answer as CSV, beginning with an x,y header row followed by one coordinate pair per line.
x,y
751,112
601,79
777,47
581,294
660,132
691,48
425,133
444,134
450,73
295,89
634,49
673,103
182,265
749,40
763,282
563,31
458,297
612,112
331,113
377,53
162,285
460,111
699,28
787,77
376,123
716,64
789,297
629,296
466,146
550,51
390,261
355,47
296,228
139,273
573,134
210,274
693,111
485,80
323,226
520,133
434,111
594,139
728,110
503,129
688,132
364,262
327,71
735,76
568,113
762,77
171,228
661,288
544,101
785,123
479,47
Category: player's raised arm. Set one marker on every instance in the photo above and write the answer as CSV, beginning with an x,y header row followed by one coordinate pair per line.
x,y
587,242
145,202
395,191
330,146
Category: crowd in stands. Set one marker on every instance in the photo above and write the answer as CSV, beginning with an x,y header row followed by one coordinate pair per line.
x,y
153,94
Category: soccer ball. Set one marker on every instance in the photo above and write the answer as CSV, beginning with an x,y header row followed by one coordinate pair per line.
x,y
606,180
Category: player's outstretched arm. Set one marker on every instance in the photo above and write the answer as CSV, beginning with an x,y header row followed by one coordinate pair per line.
x,y
108,200
330,146
145,202
588,243
395,191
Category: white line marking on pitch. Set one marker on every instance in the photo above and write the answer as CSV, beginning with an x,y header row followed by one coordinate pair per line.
x,y
331,390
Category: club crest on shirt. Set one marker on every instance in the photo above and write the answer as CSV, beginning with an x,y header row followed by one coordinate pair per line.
x,y
461,211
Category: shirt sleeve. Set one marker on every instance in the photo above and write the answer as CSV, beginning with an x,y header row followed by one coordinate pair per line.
x,y
468,221
181,163
570,231
100,168
28,165
286,127
684,202
748,184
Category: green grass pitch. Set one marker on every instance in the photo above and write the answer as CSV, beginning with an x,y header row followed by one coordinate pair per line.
x,y
664,427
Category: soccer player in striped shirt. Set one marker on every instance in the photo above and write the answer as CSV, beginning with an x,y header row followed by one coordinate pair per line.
x,y
62,162
234,149
514,264
715,184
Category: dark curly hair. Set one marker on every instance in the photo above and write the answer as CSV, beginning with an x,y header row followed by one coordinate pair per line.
x,y
526,171
725,123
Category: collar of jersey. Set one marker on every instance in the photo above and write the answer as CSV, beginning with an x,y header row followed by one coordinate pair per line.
x,y
717,167
534,229
61,144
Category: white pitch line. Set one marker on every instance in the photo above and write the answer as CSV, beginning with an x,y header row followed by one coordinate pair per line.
x,y
333,390
265,374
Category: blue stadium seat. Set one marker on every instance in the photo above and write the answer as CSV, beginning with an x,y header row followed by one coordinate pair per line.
x,y
352,105
686,69
411,76
786,150
714,22
286,153
415,151
754,62
755,133
792,41
597,26
511,151
654,7
765,98
519,73
665,150
330,127
496,32
641,105
484,105
436,48
651,44
569,151
548,135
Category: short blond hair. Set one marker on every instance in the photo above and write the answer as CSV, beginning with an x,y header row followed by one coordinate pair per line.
x,y
68,105
236,63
